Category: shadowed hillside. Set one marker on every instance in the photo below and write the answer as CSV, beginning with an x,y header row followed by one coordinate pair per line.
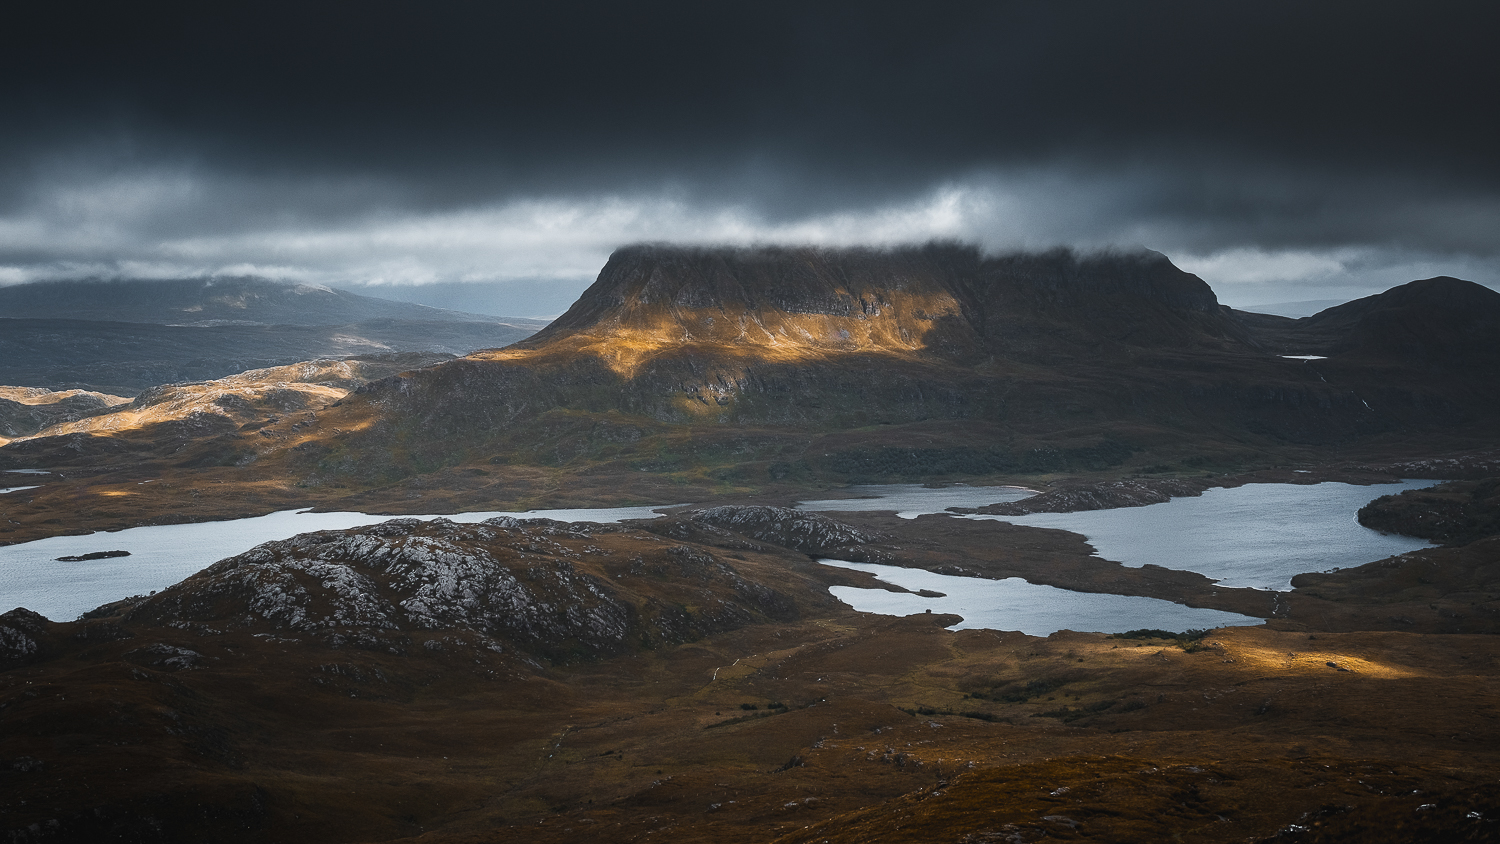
x,y
209,301
685,373
919,358
126,336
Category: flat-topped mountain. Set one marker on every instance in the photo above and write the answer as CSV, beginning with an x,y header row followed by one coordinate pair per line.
x,y
917,362
213,301
728,368
944,300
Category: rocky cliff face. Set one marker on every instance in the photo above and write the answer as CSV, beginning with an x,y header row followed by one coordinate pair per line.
x,y
946,301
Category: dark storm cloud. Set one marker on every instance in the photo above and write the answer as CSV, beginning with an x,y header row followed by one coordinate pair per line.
x,y
1203,127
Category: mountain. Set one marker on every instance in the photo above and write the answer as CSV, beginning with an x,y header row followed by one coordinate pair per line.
x,y
941,300
684,373
1436,323
759,364
211,301
125,358
128,336
167,418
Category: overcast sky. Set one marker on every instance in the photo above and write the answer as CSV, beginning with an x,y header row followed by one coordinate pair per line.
x,y
496,153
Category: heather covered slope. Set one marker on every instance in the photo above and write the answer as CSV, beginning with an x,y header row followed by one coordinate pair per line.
x,y
173,418
532,680
26,410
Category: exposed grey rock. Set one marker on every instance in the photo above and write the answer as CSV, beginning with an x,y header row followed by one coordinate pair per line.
x,y
165,656
1101,496
507,578
21,635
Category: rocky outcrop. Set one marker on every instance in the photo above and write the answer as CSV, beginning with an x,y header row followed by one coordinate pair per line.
x,y
1454,513
1101,496
27,410
810,533
547,588
762,528
23,637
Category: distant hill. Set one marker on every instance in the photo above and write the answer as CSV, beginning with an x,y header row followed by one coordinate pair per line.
x,y
1444,325
26,410
1295,310
214,301
124,358
122,337
1440,322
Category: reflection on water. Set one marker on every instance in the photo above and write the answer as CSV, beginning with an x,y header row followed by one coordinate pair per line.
x,y
1014,604
161,555
913,500
1257,535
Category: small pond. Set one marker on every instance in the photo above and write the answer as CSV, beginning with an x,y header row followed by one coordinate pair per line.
x,y
1014,604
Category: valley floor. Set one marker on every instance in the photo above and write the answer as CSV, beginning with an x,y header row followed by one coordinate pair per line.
x,y
846,728
835,726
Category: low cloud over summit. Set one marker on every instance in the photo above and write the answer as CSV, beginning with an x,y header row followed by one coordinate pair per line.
x,y
1280,151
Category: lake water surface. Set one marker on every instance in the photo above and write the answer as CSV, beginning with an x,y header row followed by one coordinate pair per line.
x,y
161,555
1257,535
1014,604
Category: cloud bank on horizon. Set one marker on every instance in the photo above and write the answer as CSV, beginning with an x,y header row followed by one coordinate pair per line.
x,y
1282,151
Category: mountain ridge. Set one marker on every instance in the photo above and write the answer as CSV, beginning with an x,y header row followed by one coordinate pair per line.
x,y
698,371
205,302
942,298
973,361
